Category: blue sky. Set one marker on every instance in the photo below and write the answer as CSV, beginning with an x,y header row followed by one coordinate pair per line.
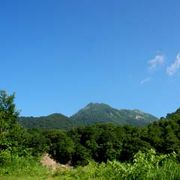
x,y
57,56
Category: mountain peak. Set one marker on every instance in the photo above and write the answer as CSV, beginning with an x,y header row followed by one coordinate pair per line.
x,y
97,105
138,111
55,115
100,112
90,114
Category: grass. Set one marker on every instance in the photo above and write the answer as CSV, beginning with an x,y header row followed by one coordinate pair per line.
x,y
119,171
24,168
147,166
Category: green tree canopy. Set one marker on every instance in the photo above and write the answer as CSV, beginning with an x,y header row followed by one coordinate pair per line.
x,y
11,133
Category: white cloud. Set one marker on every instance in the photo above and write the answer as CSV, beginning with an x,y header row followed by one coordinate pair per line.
x,y
145,80
173,68
158,60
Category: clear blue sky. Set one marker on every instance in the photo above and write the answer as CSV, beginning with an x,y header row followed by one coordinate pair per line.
x,y
59,55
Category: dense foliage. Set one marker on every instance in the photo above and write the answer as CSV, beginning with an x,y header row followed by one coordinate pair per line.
x,y
11,134
103,142
91,114
114,151
53,121
110,142
144,166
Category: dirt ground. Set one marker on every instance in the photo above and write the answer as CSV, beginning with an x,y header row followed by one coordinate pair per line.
x,y
47,161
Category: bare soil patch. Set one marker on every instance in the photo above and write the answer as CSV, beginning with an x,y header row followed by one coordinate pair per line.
x,y
50,163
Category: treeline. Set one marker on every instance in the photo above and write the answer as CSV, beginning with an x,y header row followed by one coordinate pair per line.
x,y
78,146
109,142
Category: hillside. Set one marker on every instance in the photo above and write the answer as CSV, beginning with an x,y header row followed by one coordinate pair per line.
x,y
92,113
53,121
102,113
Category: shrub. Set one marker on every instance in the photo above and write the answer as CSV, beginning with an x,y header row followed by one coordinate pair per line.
x,y
5,157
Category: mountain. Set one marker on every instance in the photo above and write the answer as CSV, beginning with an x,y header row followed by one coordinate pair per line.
x,y
102,113
175,115
91,114
53,121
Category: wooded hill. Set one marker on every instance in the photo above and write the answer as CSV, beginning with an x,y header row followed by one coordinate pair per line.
x,y
91,114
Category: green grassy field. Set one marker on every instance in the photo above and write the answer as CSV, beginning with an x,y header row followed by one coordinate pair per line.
x,y
145,166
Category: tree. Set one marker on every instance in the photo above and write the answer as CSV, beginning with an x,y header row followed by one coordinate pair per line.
x,y
61,146
8,120
8,113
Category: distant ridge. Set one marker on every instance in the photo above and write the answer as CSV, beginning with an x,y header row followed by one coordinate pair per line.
x,y
52,121
101,113
90,114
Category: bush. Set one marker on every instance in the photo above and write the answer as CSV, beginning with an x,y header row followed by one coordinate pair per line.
x,y
149,166
5,157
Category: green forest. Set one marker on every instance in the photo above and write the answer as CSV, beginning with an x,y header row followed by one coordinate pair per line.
x,y
91,114
103,150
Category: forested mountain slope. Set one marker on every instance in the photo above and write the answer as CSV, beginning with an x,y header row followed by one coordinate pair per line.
x,y
91,114
53,121
102,113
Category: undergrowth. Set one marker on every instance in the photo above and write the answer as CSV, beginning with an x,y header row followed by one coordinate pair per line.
x,y
149,166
